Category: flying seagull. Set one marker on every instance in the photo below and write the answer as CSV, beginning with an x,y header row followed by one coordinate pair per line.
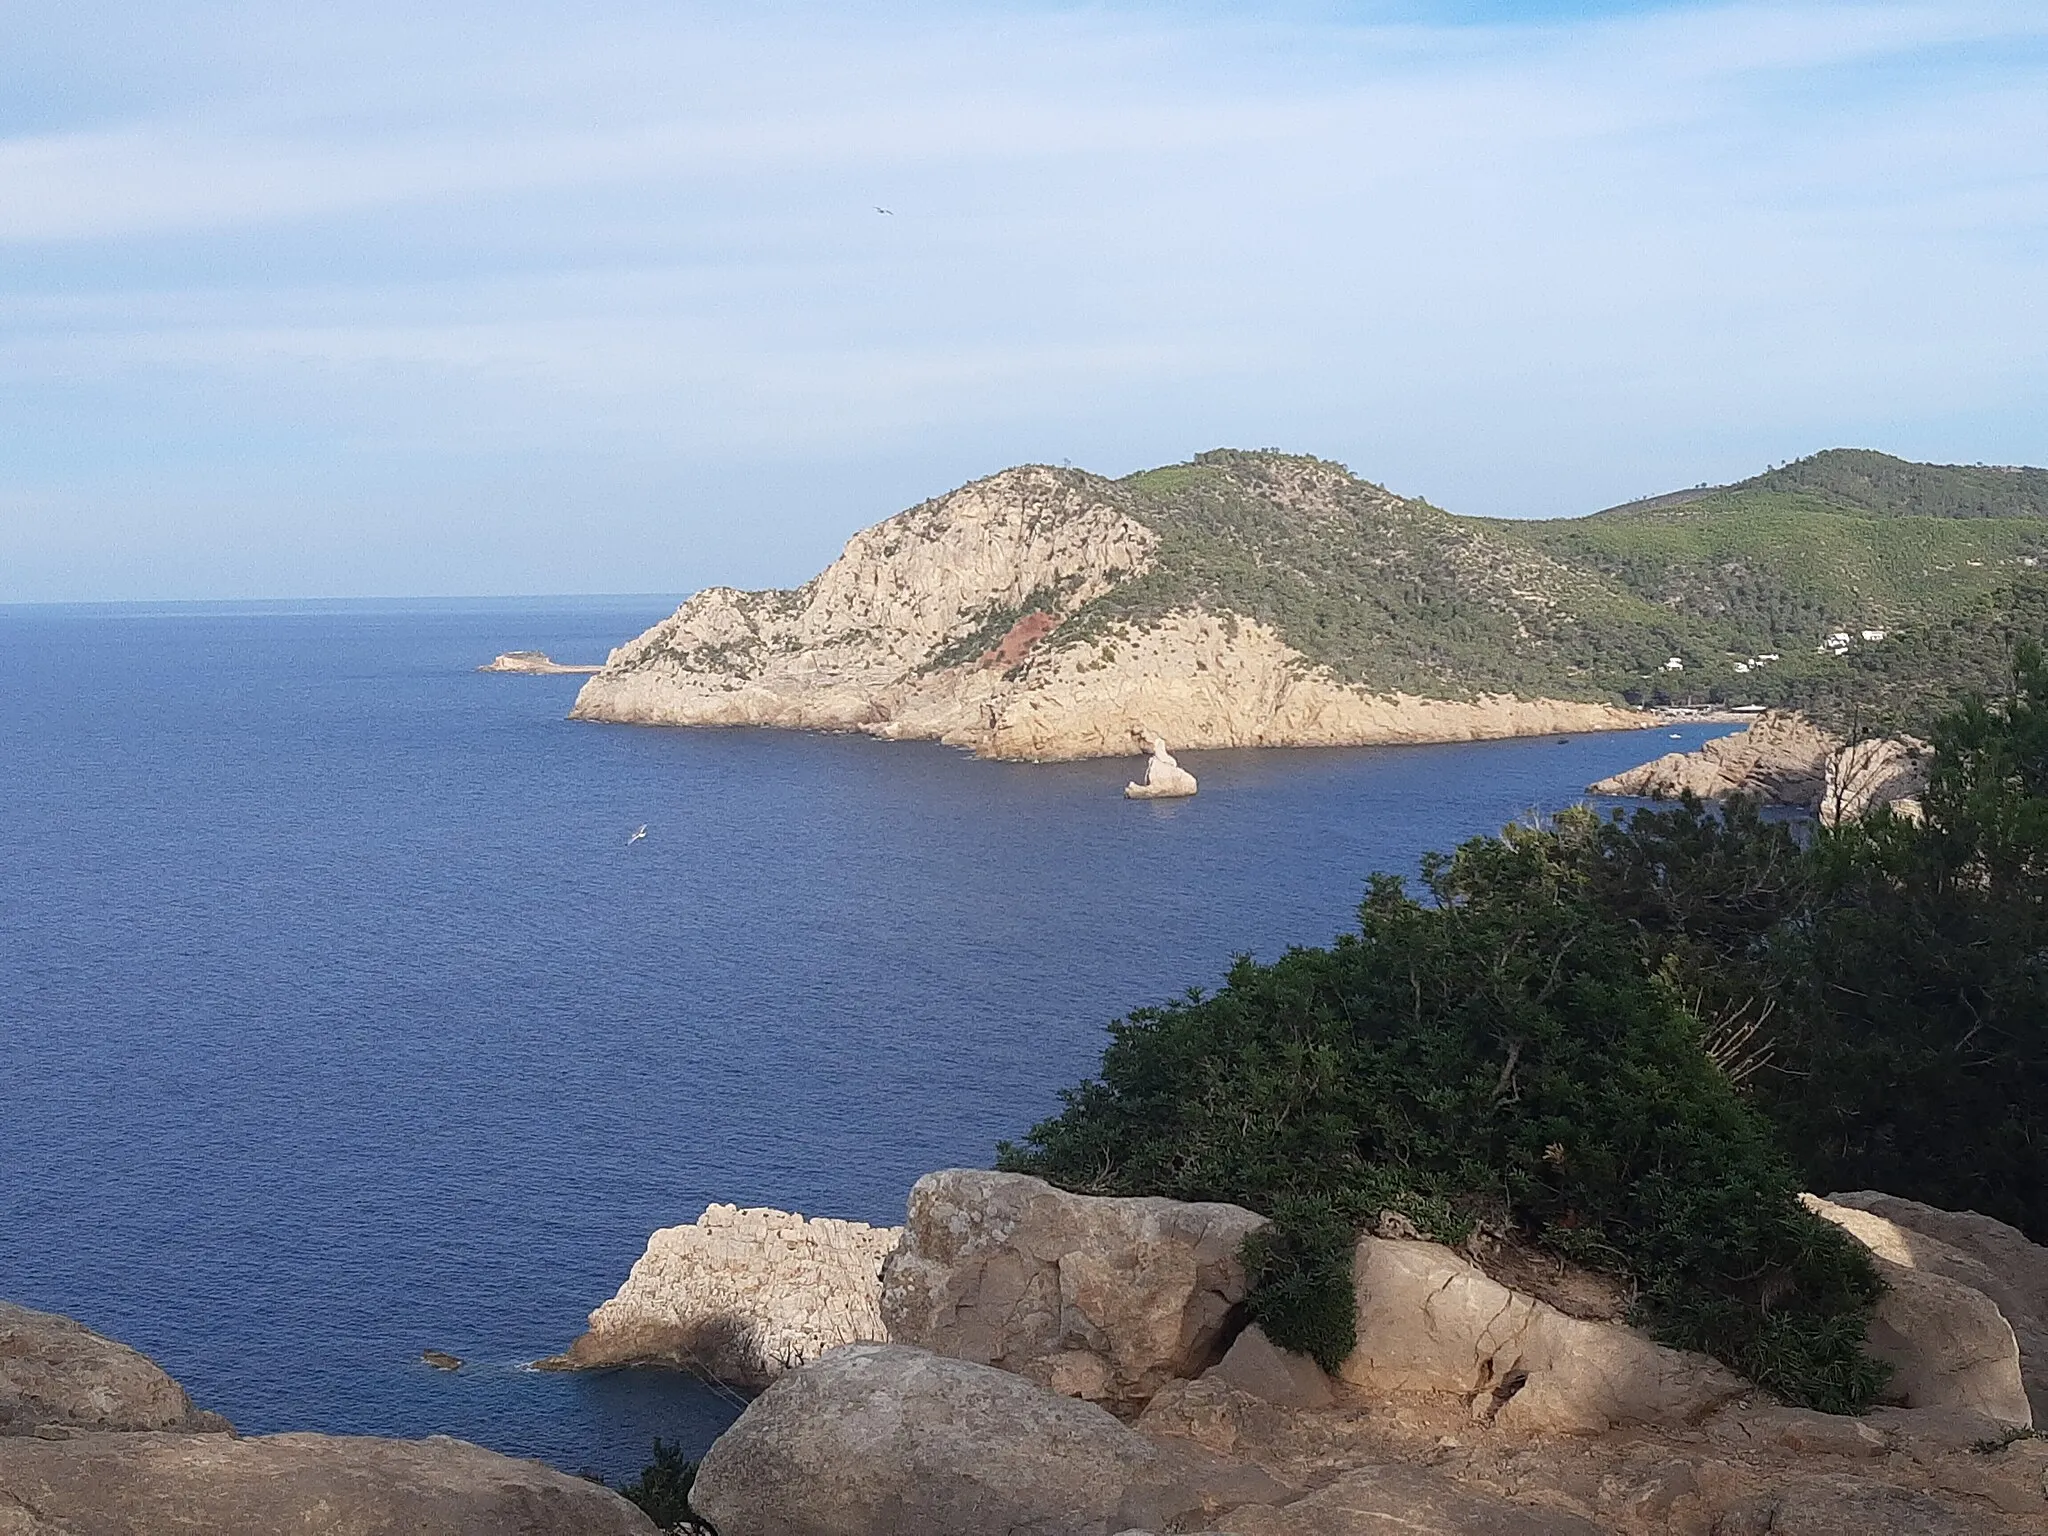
x,y
890,211
637,835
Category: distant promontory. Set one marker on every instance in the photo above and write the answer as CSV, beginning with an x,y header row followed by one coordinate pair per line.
x,y
1266,599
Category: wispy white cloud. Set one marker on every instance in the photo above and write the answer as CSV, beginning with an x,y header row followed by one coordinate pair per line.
x,y
1524,267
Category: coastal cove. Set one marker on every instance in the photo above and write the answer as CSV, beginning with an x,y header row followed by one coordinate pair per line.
x,y
342,1022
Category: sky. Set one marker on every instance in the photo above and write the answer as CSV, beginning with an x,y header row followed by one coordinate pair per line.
x,y
381,299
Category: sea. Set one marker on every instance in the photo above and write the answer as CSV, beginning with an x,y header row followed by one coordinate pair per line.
x,y
340,1018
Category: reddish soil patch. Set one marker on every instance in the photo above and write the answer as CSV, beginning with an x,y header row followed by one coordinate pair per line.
x,y
1023,635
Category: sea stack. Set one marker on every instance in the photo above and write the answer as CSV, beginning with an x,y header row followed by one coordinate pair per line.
x,y
1165,779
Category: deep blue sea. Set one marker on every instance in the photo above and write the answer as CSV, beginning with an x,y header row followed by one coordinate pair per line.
x,y
338,1019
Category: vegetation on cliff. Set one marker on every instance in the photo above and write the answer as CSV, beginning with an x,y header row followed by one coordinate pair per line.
x,y
1497,1056
1629,1043
1396,594
1857,588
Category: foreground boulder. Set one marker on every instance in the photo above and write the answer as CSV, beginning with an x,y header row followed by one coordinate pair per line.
x,y
742,1296
56,1373
156,1484
1429,1321
1948,1343
1982,1253
1103,1299
884,1440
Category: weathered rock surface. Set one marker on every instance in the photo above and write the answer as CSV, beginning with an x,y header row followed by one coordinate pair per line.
x,y
881,1440
1750,1462
1785,759
944,623
56,1372
1255,1364
1886,770
1402,1501
163,1484
1797,1429
1947,1342
1429,1321
1164,778
1781,759
1982,1253
1104,1299
742,1296
1845,1507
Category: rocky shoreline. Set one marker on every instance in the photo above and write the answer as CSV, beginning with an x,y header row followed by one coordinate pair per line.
x,y
1074,1365
96,1440
1081,1365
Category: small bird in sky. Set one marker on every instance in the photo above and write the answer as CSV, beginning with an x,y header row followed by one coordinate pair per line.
x,y
890,211
639,833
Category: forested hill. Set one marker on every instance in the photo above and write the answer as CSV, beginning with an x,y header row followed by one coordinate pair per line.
x,y
1750,587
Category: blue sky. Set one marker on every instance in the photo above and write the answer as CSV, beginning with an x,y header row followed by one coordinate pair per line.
x,y
381,299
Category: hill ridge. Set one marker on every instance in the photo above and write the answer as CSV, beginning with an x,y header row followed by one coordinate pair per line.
x,y
1257,597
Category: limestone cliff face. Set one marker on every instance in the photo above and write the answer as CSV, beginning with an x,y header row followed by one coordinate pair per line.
x,y
951,622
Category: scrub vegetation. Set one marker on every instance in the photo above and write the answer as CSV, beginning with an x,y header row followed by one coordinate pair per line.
x,y
1950,562
1629,1042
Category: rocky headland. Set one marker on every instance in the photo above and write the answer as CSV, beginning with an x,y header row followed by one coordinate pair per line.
x,y
989,619
1082,1366
1270,599
1785,759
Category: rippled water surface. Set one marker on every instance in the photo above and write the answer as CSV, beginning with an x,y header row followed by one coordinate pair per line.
x,y
338,1020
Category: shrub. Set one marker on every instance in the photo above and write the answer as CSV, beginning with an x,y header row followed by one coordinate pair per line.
x,y
1916,1055
663,1491
1898,970
1498,1057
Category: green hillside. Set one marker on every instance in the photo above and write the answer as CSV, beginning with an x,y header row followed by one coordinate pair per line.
x,y
1395,593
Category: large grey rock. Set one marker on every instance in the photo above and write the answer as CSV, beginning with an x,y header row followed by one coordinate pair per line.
x,y
1979,1251
166,1484
742,1296
1402,1501
883,1440
1947,1342
1430,1321
1104,1299
56,1372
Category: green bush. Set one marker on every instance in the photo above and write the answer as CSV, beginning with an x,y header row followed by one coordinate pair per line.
x,y
1916,1053
663,1491
1896,971
1498,1056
